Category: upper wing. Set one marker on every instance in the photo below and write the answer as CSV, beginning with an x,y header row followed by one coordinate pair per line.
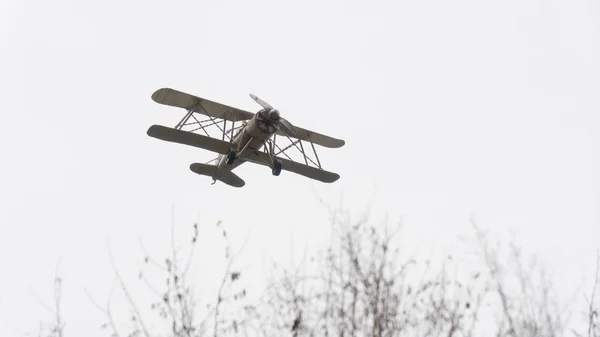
x,y
180,99
263,158
314,137
189,138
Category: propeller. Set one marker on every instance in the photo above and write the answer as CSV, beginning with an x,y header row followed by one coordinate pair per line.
x,y
271,119
261,102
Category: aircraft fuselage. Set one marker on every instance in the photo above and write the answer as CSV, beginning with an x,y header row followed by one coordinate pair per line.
x,y
249,138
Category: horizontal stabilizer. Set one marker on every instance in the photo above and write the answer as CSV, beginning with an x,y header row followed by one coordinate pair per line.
x,y
259,157
223,175
172,97
189,138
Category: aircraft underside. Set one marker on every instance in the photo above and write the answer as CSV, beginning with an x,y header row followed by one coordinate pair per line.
x,y
254,139
250,138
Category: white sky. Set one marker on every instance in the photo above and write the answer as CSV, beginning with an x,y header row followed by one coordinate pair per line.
x,y
447,109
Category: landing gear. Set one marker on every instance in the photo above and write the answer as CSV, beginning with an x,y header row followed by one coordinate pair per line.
x,y
231,157
232,154
277,164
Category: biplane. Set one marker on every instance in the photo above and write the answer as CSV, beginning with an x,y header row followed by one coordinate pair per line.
x,y
254,139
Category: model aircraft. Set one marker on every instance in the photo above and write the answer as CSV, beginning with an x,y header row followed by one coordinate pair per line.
x,y
253,140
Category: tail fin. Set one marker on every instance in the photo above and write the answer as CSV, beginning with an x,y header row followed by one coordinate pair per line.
x,y
212,171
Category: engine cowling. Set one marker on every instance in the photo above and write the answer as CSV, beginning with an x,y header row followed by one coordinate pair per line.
x,y
267,120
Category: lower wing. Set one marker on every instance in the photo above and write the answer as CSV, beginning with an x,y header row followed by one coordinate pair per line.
x,y
263,158
189,138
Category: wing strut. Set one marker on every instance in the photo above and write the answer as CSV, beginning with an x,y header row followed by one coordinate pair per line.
x,y
315,152
184,119
271,145
301,149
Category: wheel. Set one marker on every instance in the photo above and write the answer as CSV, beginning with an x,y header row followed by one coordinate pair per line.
x,y
277,167
231,157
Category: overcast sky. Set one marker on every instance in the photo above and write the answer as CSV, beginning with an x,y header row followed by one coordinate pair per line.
x,y
448,109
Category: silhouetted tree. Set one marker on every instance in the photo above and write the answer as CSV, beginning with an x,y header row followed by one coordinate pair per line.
x,y
55,326
362,285
176,303
593,315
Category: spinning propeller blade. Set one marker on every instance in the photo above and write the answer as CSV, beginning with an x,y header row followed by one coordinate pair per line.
x,y
289,129
261,102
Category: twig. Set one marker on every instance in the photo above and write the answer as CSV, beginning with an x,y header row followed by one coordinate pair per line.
x,y
126,291
57,300
106,311
592,310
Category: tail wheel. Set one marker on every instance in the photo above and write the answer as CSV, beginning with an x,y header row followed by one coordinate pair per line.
x,y
277,165
231,157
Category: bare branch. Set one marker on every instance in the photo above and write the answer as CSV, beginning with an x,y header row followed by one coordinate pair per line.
x,y
127,293
593,325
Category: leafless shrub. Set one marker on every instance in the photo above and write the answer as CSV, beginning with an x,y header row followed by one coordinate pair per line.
x,y
522,290
175,301
593,314
364,287
55,327
447,306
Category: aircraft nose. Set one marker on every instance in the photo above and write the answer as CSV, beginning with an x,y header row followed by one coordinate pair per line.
x,y
274,114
